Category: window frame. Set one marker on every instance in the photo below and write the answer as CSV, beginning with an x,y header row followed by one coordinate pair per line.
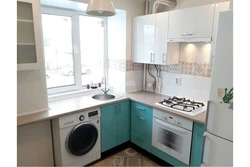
x,y
74,14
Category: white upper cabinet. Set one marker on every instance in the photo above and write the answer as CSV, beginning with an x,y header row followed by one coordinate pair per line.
x,y
196,22
150,45
143,39
161,32
29,38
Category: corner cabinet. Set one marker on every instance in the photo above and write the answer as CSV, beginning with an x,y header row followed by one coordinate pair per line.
x,y
150,40
197,141
115,125
29,36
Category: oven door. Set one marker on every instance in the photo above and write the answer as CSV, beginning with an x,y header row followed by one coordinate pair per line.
x,y
171,139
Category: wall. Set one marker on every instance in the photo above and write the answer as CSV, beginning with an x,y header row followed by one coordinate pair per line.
x,y
34,145
193,71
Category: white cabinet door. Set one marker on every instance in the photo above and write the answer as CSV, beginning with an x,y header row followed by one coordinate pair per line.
x,y
144,39
220,7
217,151
161,32
196,22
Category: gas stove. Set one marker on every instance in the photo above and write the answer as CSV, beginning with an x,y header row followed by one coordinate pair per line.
x,y
183,105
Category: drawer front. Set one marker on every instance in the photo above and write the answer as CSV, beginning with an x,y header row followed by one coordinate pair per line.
x,y
141,119
141,140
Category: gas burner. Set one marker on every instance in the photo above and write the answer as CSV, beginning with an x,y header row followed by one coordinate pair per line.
x,y
183,105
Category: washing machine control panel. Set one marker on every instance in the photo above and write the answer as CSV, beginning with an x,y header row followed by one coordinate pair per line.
x,y
81,117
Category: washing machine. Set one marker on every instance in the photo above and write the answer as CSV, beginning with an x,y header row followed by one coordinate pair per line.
x,y
76,138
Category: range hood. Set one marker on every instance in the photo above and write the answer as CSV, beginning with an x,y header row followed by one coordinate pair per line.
x,y
190,40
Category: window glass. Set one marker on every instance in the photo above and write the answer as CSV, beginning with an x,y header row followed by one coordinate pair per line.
x,y
57,36
92,49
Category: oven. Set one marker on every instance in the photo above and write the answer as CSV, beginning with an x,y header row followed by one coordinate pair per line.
x,y
170,136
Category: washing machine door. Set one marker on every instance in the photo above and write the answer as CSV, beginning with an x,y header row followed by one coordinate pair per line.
x,y
82,139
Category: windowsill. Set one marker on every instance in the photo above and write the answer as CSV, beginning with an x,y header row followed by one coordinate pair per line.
x,y
71,94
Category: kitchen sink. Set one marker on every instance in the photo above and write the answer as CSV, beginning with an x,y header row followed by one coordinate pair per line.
x,y
108,96
103,97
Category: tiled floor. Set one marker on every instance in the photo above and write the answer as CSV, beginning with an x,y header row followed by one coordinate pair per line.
x,y
126,157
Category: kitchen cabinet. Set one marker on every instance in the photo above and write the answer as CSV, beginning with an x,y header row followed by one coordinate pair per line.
x,y
197,141
219,7
143,38
195,22
34,144
115,124
141,125
150,44
29,36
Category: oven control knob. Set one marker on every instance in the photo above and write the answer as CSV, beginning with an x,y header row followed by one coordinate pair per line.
x,y
81,118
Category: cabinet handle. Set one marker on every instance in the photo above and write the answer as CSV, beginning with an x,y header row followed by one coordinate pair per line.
x,y
186,34
141,118
116,108
119,107
212,61
151,57
139,108
163,57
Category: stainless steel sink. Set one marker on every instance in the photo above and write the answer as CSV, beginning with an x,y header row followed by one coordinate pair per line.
x,y
108,96
103,97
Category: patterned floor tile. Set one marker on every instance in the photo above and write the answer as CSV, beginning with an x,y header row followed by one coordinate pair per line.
x,y
127,157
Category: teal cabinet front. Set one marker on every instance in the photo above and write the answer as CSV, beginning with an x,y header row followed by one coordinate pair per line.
x,y
123,122
141,119
197,141
115,125
141,125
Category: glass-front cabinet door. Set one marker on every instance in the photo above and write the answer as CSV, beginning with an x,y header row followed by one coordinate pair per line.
x,y
27,58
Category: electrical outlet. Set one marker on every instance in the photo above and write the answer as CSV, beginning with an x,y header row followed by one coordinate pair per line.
x,y
221,92
178,80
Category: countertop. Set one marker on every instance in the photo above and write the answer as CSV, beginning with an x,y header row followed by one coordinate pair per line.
x,y
80,103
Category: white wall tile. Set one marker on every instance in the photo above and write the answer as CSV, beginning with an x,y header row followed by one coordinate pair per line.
x,y
193,87
195,52
134,80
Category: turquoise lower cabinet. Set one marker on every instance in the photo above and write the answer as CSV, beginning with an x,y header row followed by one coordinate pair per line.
x,y
141,125
167,158
141,119
141,140
123,123
115,124
197,141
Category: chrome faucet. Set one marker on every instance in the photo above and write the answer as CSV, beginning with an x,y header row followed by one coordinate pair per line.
x,y
105,90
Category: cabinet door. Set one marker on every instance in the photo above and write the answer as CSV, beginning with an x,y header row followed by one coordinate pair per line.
x,y
143,39
197,142
161,32
123,128
141,119
192,22
108,127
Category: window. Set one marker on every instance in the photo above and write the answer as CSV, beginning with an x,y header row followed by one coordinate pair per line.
x,y
74,49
